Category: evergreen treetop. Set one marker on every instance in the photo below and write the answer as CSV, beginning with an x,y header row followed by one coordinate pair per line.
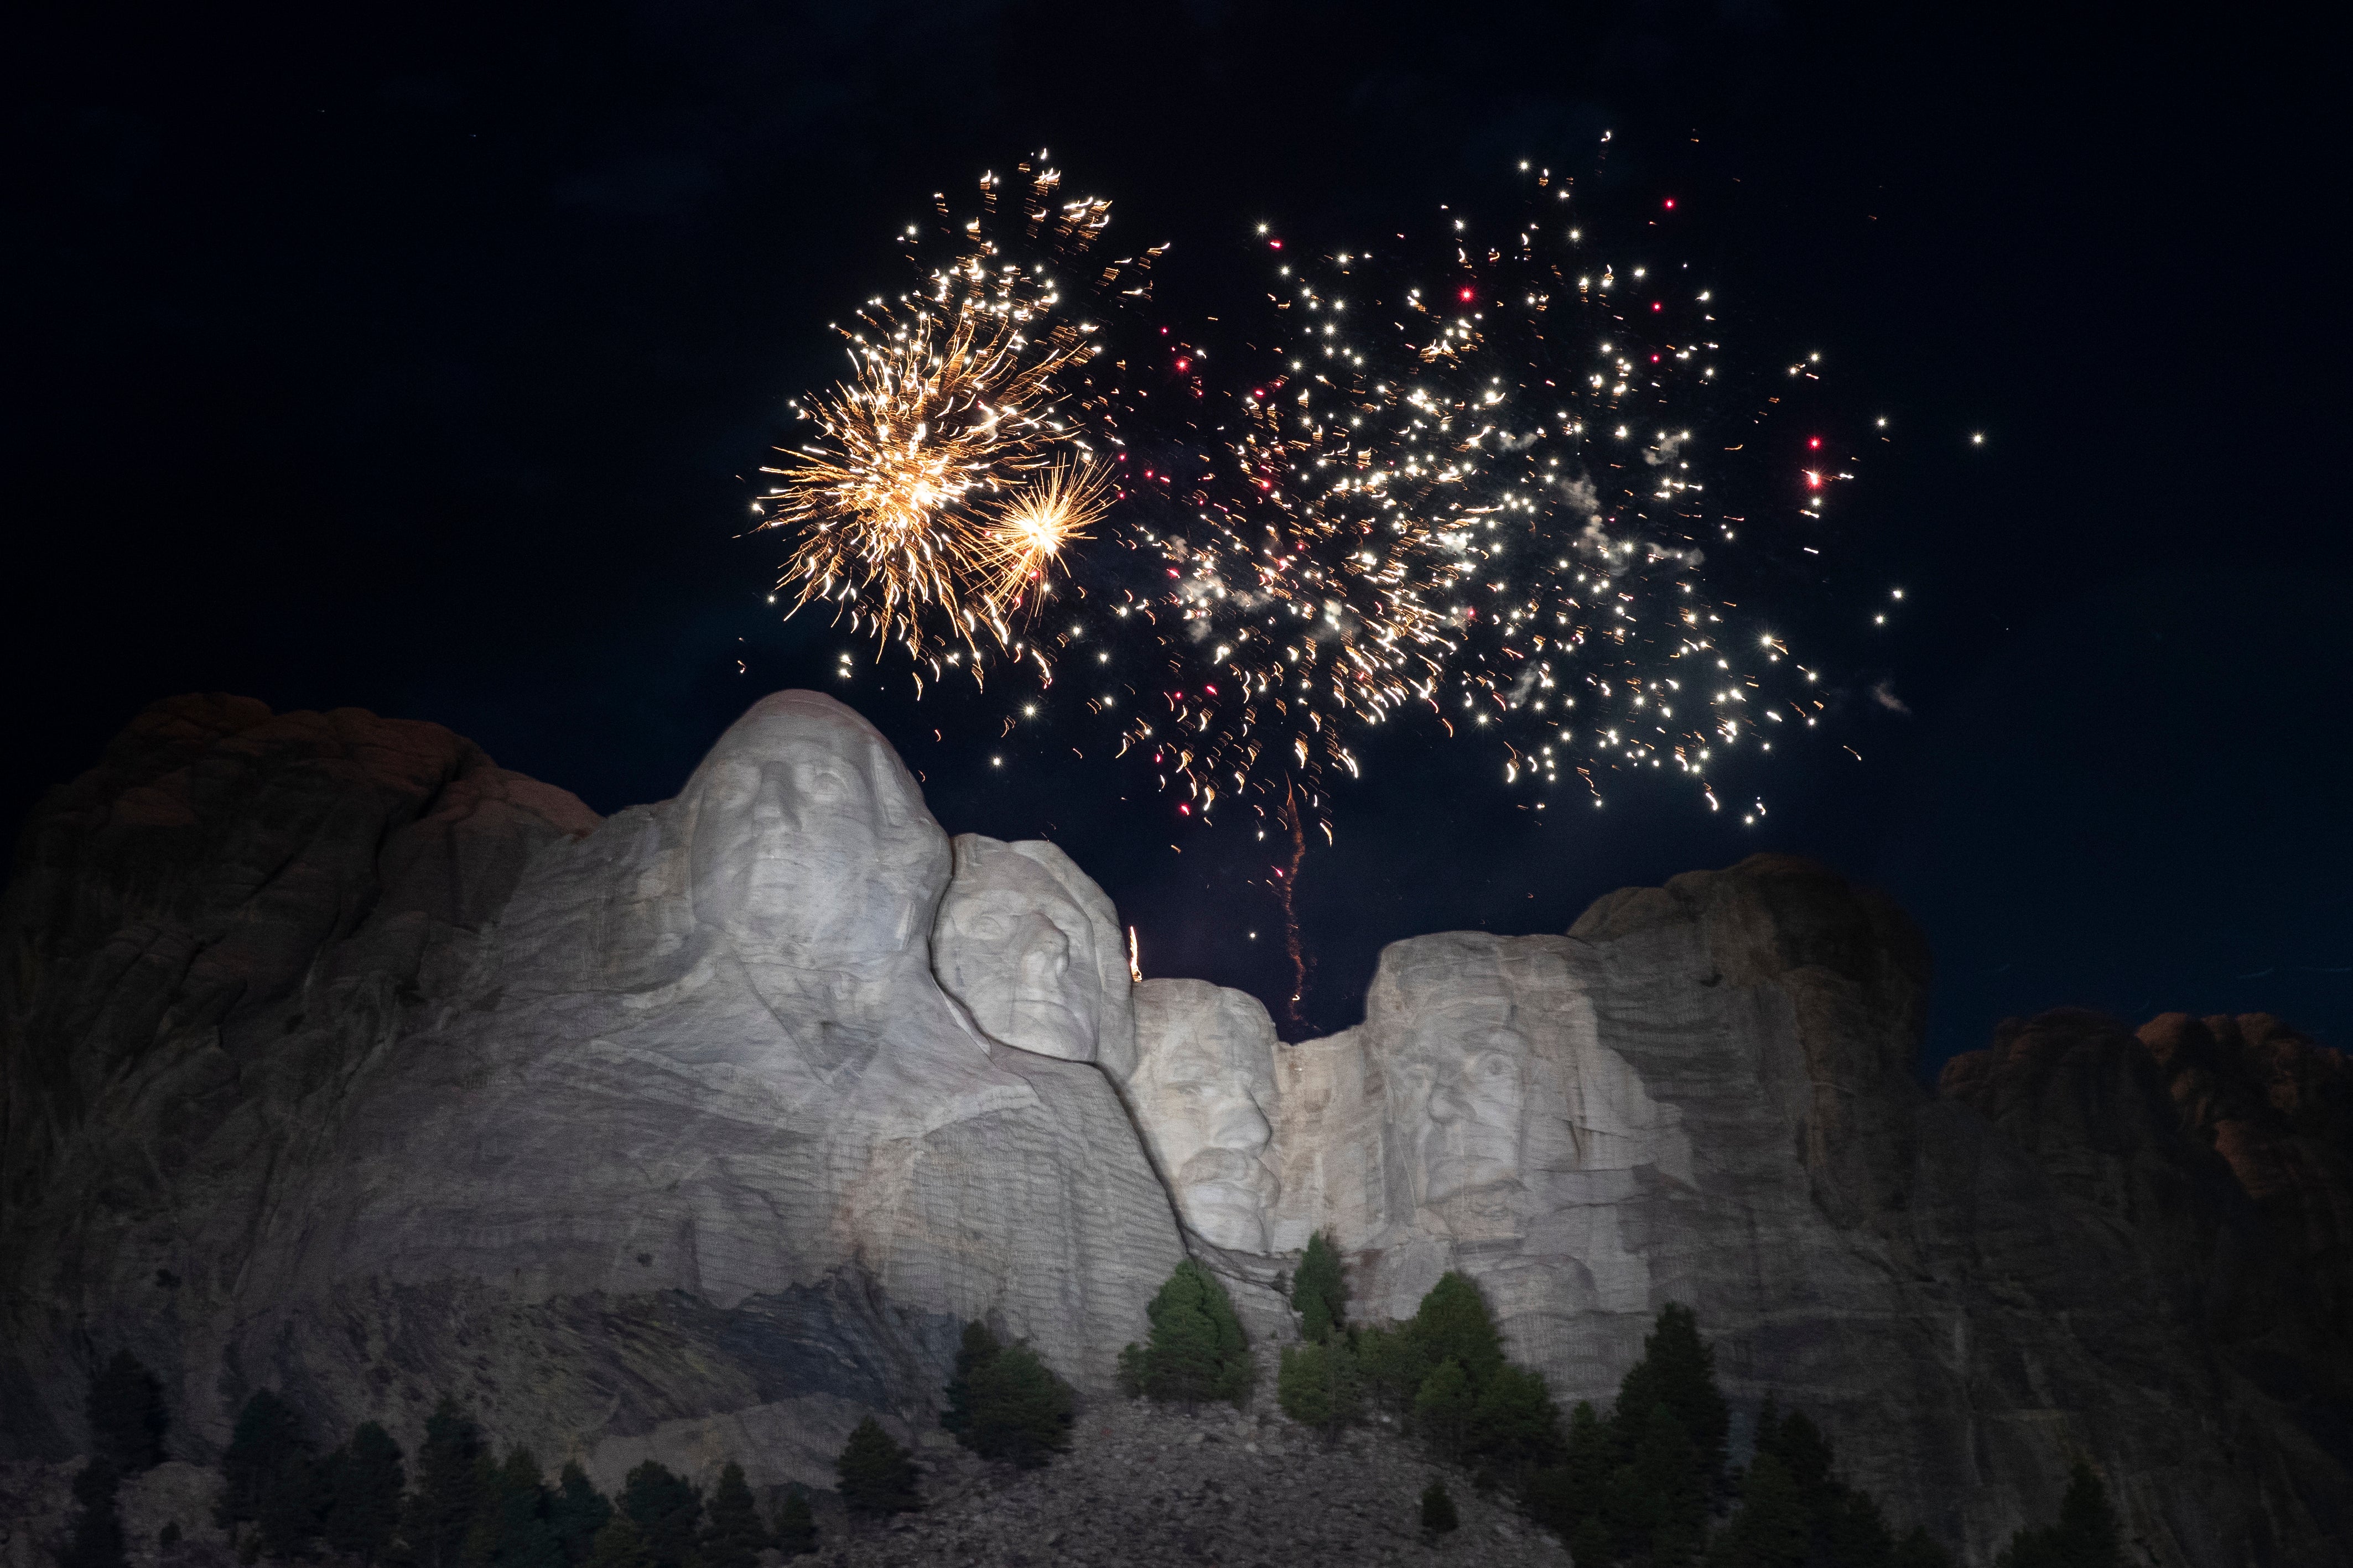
x,y
1320,1385
2086,1536
1393,1362
510,1527
1678,1370
667,1509
1197,1350
795,1526
735,1535
1319,1293
978,1349
1020,1410
1514,1429
1453,1323
1443,1408
448,1486
1771,1529
620,1544
877,1476
576,1513
365,1480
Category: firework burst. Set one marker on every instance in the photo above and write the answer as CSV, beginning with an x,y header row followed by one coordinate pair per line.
x,y
951,466
1461,478
1027,537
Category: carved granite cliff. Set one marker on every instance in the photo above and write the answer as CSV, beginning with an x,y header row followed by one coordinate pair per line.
x,y
338,1061
684,1153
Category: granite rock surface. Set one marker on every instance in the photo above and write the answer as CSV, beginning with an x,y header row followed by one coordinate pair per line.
x,y
684,1153
335,1059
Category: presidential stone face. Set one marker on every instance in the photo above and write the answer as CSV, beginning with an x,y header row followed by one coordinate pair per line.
x,y
810,847
1203,1091
1457,1069
1031,948
1473,1107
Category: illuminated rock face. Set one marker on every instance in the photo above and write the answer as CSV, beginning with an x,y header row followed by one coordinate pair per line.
x,y
1031,948
1203,1092
1484,1113
338,1061
678,1149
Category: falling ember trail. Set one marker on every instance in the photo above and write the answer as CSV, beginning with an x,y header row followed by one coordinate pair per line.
x,y
1290,878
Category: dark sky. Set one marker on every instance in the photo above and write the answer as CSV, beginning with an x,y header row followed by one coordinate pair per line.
x,y
417,364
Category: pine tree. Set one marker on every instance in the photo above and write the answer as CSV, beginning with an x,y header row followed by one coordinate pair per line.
x,y
1393,1365
126,1416
267,1438
448,1486
1197,1350
667,1509
2086,1535
795,1526
1590,1542
1591,1455
1514,1429
1020,1409
577,1513
1771,1528
1443,1408
620,1544
1661,1496
1453,1321
511,1528
96,1539
364,1479
1563,1496
979,1348
877,1475
1437,1509
1678,1370
733,1535
1319,1294
1319,1386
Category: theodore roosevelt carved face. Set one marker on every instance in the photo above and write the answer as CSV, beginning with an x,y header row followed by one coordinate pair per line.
x,y
1203,1085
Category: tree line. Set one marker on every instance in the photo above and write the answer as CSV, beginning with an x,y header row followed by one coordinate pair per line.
x,y
1646,1484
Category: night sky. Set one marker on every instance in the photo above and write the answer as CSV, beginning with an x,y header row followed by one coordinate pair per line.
x,y
425,365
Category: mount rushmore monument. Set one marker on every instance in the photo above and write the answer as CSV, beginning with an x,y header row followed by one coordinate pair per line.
x,y
336,1059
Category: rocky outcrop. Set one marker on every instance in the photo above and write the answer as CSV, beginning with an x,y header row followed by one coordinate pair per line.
x,y
683,1151
338,1061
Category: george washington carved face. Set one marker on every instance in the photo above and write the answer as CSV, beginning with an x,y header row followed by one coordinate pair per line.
x,y
811,848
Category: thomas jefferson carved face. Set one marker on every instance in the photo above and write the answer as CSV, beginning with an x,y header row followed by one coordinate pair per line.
x,y
1006,953
811,848
1031,949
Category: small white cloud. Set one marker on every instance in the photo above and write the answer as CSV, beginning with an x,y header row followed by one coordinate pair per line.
x,y
1883,691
